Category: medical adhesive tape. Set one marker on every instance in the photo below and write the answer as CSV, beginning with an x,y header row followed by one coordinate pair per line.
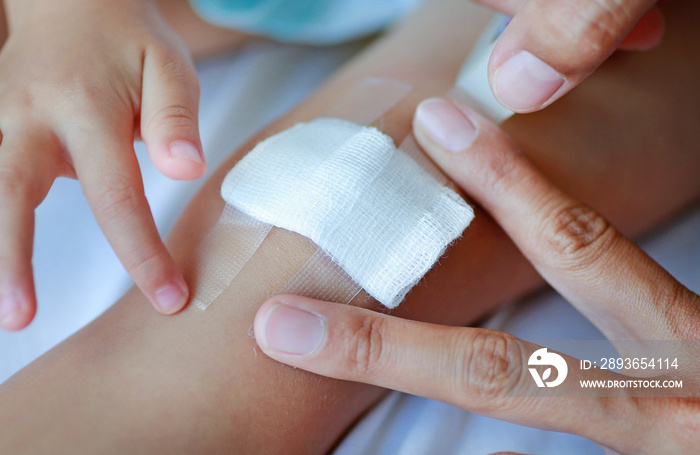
x,y
378,216
374,210
472,83
236,236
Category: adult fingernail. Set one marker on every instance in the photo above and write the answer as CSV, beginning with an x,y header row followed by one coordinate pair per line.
x,y
186,150
525,83
444,124
289,330
10,309
170,298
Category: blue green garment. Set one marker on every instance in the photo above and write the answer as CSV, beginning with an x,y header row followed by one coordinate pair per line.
x,y
304,21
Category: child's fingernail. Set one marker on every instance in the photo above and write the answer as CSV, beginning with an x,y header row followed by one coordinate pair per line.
x,y
170,298
10,309
290,330
187,150
444,124
525,83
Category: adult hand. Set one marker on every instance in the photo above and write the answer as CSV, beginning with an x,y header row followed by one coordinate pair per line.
x,y
79,80
609,279
552,46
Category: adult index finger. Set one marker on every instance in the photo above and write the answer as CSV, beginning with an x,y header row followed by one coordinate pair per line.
x,y
614,283
484,371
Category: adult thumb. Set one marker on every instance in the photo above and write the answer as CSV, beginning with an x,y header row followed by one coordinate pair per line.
x,y
551,46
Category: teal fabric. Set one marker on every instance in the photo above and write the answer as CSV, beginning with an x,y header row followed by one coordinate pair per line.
x,y
304,21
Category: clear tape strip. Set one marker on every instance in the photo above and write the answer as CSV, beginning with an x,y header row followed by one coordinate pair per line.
x,y
323,279
236,236
371,99
224,252
472,85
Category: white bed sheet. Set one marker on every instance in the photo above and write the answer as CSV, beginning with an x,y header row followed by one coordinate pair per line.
x,y
78,276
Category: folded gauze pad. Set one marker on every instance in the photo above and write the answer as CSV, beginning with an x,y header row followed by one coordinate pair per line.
x,y
377,213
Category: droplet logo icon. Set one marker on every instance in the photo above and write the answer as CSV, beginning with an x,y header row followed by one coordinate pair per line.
x,y
551,359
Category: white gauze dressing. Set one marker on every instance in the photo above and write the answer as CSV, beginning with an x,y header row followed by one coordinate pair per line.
x,y
378,214
235,238
237,235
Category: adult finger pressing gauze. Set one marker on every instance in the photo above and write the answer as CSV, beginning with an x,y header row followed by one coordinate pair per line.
x,y
376,212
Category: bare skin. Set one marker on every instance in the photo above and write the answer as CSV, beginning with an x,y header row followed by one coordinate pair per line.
x,y
135,382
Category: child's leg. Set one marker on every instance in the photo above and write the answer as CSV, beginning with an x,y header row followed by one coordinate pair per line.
x,y
136,382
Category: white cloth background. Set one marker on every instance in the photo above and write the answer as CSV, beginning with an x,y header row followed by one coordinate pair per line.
x,y
78,275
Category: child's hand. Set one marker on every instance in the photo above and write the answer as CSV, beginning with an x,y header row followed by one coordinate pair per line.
x,y
79,80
